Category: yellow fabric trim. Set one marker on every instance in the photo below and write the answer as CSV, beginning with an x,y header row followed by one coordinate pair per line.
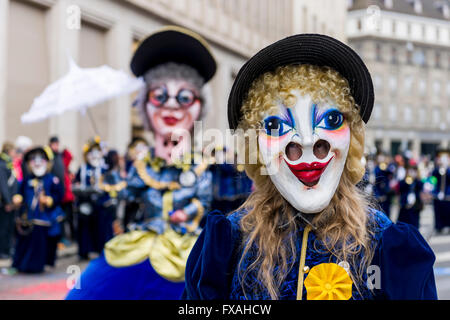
x,y
201,168
167,253
39,222
302,263
48,201
149,181
17,199
196,221
129,248
167,204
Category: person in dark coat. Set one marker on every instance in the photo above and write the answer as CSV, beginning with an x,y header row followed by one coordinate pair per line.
x,y
40,214
8,187
411,203
441,192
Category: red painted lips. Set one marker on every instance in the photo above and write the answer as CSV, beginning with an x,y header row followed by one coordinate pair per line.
x,y
170,121
308,173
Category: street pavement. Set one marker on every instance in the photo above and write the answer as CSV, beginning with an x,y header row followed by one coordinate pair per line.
x,y
54,283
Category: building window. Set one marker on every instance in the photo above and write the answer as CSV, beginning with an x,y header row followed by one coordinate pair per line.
x,y
437,88
378,111
422,115
378,81
393,112
408,83
407,111
437,59
393,83
419,57
422,87
378,52
436,115
394,59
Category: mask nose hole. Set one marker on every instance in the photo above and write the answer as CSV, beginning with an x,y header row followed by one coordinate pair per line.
x,y
294,151
321,149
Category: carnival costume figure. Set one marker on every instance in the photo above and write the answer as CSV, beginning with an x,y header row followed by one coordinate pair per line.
x,y
306,231
40,215
411,194
441,192
149,261
93,228
231,186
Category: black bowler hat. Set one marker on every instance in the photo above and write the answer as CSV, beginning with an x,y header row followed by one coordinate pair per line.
x,y
314,49
174,44
46,152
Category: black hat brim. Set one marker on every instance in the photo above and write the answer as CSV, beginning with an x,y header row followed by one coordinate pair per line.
x,y
29,153
174,44
313,49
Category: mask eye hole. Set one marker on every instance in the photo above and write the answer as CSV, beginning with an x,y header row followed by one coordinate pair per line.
x,y
321,149
276,127
293,151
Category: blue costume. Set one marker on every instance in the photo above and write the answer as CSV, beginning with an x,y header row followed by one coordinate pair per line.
x,y
97,200
441,195
410,202
382,190
231,187
149,261
39,225
212,268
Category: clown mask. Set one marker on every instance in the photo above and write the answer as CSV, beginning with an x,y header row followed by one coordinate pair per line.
x,y
38,165
95,157
304,148
172,104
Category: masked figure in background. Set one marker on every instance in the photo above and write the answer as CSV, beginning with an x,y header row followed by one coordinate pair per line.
x,y
411,194
382,186
92,233
40,214
306,231
231,186
114,190
138,150
149,261
441,192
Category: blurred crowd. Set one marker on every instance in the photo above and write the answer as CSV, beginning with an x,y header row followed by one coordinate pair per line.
x,y
45,207
410,184
86,208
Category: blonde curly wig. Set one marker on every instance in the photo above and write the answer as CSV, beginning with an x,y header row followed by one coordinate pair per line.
x,y
344,226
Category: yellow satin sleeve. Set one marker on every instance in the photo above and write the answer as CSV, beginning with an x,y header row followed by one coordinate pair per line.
x,y
167,252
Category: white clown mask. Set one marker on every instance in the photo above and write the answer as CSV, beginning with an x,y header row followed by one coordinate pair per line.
x,y
304,148
38,165
95,158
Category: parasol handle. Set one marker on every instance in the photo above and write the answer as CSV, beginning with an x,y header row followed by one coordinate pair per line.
x,y
91,120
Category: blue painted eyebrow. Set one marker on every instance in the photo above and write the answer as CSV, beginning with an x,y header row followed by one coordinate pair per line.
x,y
287,116
317,117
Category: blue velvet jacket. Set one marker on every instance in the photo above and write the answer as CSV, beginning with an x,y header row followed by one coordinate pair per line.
x,y
150,181
50,216
402,257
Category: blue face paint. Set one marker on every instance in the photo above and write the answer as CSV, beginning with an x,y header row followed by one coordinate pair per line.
x,y
277,126
331,119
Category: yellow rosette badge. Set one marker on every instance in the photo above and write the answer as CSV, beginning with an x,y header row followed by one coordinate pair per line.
x,y
328,281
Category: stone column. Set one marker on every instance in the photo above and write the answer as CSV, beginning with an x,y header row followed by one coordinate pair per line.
x,y
119,52
4,13
63,37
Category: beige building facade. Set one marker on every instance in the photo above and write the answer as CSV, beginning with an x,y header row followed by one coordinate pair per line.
x,y
406,45
36,37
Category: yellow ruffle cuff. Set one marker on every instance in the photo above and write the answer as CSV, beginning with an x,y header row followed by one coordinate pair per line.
x,y
168,252
328,281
